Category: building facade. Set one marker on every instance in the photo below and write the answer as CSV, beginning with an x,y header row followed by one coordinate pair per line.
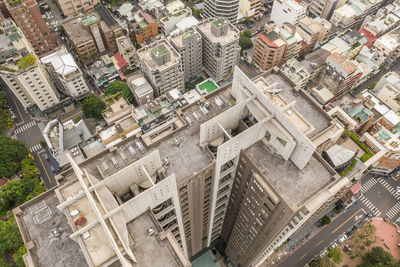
x,y
290,11
161,65
222,9
65,73
127,51
72,8
189,46
27,16
322,8
221,48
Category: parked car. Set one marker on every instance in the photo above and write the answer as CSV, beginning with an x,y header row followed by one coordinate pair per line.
x,y
398,190
334,245
342,239
323,253
249,26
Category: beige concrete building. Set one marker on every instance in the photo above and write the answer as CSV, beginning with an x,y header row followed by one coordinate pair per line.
x,y
221,48
66,73
141,89
296,72
322,8
249,8
189,46
74,7
162,66
193,169
22,71
127,51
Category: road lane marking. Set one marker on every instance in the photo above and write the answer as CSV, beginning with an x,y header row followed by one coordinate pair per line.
x,y
351,217
70,117
319,243
41,161
20,115
303,256
243,67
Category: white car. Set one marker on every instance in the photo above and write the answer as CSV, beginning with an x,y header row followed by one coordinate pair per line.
x,y
334,245
398,190
342,239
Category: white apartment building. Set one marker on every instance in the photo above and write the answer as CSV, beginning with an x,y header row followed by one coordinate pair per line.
x,y
189,46
74,7
176,14
290,11
23,72
222,9
66,73
161,65
249,8
221,48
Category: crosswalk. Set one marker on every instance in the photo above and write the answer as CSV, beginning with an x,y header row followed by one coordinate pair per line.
x,y
393,211
367,185
35,148
370,206
14,137
41,126
24,127
389,188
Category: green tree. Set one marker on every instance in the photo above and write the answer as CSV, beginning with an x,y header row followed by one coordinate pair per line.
x,y
197,13
10,238
3,263
321,262
244,40
92,107
11,153
42,143
372,85
5,115
29,169
18,256
246,20
378,257
119,87
325,220
335,254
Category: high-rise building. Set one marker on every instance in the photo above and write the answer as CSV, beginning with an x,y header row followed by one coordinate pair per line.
x,y
27,16
66,73
240,165
73,7
22,71
161,65
290,11
312,31
189,46
322,8
127,51
269,48
222,9
249,8
221,48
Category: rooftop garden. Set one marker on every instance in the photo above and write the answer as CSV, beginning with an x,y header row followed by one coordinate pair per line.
x,y
26,61
15,2
368,154
160,50
219,22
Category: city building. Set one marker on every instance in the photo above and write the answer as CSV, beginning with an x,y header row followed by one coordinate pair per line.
x,y
72,7
127,51
117,107
221,50
65,73
296,72
189,46
315,62
141,89
312,31
269,48
143,27
176,13
109,28
248,8
192,170
322,8
348,45
353,13
339,74
103,72
27,17
162,66
22,71
222,9
389,45
290,11
392,78
292,39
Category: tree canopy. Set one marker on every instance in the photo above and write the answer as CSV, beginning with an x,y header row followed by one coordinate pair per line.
x,y
12,152
378,257
5,115
321,262
335,254
119,87
92,107
244,40
10,238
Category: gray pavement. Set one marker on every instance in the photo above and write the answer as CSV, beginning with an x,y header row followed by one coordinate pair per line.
x,y
247,69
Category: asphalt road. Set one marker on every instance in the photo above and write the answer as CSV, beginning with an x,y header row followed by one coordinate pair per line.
x,y
29,131
324,238
247,69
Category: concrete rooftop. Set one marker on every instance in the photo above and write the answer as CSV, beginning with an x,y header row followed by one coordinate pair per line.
x,y
232,34
294,185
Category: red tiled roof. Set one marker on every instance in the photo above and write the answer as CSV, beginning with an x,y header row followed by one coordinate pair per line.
x,y
122,76
370,37
120,61
355,188
266,40
3,181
